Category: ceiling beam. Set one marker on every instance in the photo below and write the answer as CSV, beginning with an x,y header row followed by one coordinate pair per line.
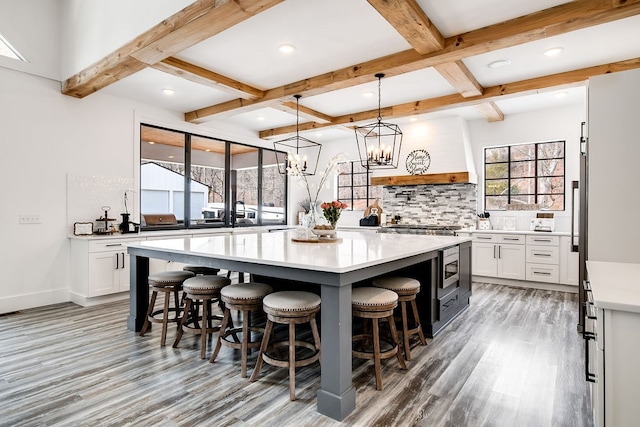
x,y
557,20
193,24
491,94
196,74
408,19
292,107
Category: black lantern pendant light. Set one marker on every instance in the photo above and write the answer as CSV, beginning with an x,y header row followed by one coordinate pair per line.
x,y
379,143
297,155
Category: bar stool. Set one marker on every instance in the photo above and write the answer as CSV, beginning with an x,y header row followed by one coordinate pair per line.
x,y
170,284
244,297
289,308
407,290
200,270
376,304
205,289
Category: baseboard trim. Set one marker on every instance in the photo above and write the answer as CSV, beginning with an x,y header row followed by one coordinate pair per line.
x,y
36,299
85,301
527,284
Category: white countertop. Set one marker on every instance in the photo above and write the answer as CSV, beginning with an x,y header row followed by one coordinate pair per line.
x,y
183,232
615,285
356,250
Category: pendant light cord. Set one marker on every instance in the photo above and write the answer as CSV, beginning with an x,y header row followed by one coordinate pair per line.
x,y
379,95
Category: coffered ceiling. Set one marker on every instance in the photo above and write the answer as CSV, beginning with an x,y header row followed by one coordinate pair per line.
x,y
222,60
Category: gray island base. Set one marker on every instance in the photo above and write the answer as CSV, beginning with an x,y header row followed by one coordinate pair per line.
x,y
333,266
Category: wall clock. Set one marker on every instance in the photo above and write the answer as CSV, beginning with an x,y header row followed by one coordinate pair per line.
x,y
418,161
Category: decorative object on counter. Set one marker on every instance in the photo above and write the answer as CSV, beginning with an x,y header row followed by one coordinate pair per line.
x,y
418,161
483,221
332,210
542,224
372,215
509,223
379,143
375,205
82,228
324,231
108,228
127,226
312,216
297,155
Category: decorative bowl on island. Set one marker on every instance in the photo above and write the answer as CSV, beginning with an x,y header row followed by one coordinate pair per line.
x,y
325,231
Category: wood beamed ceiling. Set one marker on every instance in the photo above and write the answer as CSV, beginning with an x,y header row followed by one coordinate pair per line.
x,y
206,18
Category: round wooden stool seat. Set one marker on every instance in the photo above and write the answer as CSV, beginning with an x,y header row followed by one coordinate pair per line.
x,y
375,304
289,308
169,283
407,290
246,298
200,270
205,289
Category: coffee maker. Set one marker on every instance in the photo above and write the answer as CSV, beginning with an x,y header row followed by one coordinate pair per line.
x,y
127,226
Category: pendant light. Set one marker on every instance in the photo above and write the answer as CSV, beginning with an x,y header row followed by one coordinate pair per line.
x,y
297,155
379,143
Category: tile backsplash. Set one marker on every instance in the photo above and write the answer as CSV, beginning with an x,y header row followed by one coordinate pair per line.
x,y
441,204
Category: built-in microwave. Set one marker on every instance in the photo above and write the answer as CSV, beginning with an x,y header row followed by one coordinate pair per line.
x,y
450,266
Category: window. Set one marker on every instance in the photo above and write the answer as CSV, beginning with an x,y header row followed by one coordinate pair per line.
x,y
354,188
525,174
229,184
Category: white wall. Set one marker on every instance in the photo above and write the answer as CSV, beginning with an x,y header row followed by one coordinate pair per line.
x,y
538,126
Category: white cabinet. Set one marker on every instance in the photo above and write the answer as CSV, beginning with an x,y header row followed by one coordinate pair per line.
x,y
543,258
99,267
569,262
499,255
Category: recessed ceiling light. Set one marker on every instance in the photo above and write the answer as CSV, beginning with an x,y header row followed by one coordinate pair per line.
x,y
318,134
560,95
286,48
208,150
413,118
499,63
151,142
260,118
171,157
367,94
168,91
553,51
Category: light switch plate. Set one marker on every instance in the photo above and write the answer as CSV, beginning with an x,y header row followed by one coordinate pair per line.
x,y
29,219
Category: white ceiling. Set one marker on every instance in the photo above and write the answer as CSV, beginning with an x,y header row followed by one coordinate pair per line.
x,y
334,34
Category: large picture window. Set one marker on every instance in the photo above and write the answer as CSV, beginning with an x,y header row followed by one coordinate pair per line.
x,y
354,188
525,174
228,184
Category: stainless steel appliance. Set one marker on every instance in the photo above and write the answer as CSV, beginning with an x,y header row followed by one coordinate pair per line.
x,y
432,230
579,223
450,266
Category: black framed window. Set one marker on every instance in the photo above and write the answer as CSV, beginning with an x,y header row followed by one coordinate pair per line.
x,y
227,184
525,174
354,188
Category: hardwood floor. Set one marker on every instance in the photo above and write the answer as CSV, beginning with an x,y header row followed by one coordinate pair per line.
x,y
513,358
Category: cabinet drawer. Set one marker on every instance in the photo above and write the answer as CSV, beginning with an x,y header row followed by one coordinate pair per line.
x,y
543,254
517,239
485,238
543,240
111,245
543,273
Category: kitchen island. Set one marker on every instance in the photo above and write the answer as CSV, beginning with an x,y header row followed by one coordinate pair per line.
x,y
334,266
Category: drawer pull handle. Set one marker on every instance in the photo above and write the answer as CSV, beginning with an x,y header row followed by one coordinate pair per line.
x,y
484,238
545,273
542,240
535,254
113,244
512,239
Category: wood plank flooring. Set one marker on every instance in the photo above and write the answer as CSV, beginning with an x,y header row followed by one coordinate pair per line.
x,y
513,358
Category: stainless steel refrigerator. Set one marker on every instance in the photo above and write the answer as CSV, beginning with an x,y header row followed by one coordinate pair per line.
x,y
579,221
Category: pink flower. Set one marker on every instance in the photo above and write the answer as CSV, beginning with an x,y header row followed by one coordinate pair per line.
x,y
336,204
324,205
343,206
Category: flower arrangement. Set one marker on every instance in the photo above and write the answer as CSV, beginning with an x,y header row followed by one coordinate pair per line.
x,y
332,210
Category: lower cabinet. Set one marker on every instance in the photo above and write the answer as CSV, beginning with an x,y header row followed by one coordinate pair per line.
x,y
499,255
99,267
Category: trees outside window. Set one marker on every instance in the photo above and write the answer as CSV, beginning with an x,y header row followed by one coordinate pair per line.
x,y
525,174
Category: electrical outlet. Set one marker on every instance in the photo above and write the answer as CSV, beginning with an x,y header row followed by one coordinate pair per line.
x,y
29,219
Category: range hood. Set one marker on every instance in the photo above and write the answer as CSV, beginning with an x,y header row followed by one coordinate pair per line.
x,y
433,178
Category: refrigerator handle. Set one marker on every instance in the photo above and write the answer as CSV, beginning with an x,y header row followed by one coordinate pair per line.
x,y
574,188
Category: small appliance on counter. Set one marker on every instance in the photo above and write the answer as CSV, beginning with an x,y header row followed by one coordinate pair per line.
x,y
127,226
542,222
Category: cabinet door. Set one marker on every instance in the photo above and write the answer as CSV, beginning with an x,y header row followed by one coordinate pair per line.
x,y
123,272
511,262
484,259
569,263
465,269
103,273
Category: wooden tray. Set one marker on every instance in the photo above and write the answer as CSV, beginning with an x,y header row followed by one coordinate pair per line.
x,y
317,240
